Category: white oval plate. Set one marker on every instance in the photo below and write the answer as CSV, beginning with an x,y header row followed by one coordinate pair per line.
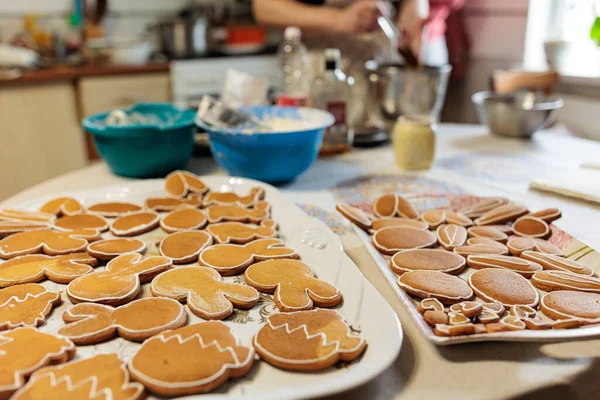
x,y
363,307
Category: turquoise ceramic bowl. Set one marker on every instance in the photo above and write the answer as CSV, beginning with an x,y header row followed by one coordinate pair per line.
x,y
273,157
163,143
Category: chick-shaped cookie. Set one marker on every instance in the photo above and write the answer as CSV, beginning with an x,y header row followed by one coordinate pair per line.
x,y
206,294
293,283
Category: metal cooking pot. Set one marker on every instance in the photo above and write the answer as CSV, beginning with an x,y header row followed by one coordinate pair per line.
x,y
411,91
183,37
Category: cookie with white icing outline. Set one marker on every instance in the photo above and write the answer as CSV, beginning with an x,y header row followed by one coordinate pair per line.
x,y
62,206
307,340
108,249
293,283
427,260
233,259
181,183
504,286
450,236
260,212
393,239
183,218
521,266
232,199
380,223
553,262
532,227
26,305
46,241
392,205
135,223
97,377
499,215
567,304
113,209
236,232
448,289
480,207
185,246
355,215
191,360
89,323
551,281
171,203
27,216
37,267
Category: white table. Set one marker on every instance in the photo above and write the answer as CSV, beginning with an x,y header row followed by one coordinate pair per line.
x,y
484,165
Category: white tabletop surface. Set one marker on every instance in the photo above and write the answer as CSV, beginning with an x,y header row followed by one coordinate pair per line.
x,y
485,165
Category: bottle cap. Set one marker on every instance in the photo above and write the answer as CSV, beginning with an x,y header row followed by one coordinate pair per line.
x,y
292,33
332,54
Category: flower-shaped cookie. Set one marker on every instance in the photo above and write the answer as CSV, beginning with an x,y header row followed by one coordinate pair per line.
x,y
103,376
204,291
50,242
120,282
293,283
37,267
232,259
25,305
89,323
190,360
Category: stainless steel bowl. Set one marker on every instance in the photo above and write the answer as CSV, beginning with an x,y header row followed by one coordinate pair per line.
x,y
412,91
516,115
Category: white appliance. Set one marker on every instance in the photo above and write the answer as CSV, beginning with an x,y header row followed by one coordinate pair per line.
x,y
190,79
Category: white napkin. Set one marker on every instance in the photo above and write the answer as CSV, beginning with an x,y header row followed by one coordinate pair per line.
x,y
581,183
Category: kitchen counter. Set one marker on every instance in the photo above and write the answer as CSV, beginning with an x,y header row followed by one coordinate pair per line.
x,y
67,73
486,165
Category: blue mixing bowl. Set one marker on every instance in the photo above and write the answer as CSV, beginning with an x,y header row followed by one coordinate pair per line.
x,y
273,157
161,142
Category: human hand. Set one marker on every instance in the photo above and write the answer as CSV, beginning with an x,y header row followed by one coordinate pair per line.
x,y
359,17
411,19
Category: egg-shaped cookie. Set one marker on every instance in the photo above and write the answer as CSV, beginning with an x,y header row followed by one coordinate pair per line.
x,y
393,239
427,260
568,304
504,286
448,289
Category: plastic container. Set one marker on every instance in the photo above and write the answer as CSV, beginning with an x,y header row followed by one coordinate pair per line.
x,y
273,157
293,58
145,150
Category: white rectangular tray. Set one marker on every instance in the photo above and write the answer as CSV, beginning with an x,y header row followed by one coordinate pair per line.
x,y
363,307
575,247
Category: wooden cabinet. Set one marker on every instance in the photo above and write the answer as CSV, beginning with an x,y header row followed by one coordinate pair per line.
x,y
41,134
98,94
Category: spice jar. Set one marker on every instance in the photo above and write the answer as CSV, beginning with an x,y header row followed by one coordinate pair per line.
x,y
413,140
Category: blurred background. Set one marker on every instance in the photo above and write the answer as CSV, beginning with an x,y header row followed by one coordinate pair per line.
x,y
63,60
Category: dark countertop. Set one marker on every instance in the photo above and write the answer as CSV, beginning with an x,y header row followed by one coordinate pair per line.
x,y
66,73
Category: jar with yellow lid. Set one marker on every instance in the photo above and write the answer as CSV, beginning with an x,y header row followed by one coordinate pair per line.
x,y
413,140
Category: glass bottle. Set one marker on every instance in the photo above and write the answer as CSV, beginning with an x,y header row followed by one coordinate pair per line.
x,y
331,93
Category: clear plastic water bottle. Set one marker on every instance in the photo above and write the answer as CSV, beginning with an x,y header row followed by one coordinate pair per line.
x,y
293,57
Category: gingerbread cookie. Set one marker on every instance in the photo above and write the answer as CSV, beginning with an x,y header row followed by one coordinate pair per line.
x,y
185,246
481,248
108,249
521,266
8,228
113,209
547,215
512,323
482,206
537,324
430,304
231,199
62,206
293,283
434,218
120,282
504,286
181,183
522,311
236,232
485,241
397,221
450,236
427,260
102,376
567,304
434,317
506,213
392,205
446,288
487,232
49,242
37,267
544,246
25,350
135,223
191,360
204,291
26,305
183,218
260,212
307,340
27,216
502,228
518,245
170,203
393,239
79,223
456,318
551,281
457,330
531,227
89,323
549,261
233,259
469,309
355,215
